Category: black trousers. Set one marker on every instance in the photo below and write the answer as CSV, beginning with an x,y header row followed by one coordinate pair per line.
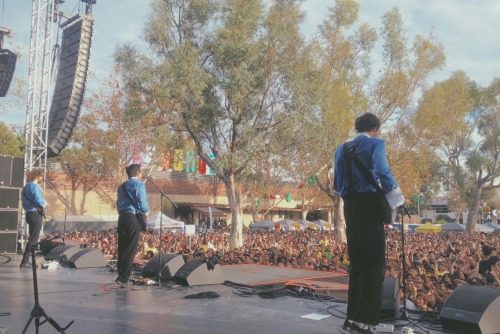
x,y
366,247
35,222
128,240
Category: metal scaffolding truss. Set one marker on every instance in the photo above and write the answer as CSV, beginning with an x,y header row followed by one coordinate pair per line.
x,y
39,84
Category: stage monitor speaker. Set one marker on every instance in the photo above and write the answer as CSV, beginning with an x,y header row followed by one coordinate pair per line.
x,y
195,272
391,304
71,81
87,258
472,309
9,220
169,264
62,250
7,66
8,242
11,171
9,198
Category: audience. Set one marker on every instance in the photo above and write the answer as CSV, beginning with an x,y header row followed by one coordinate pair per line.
x,y
435,263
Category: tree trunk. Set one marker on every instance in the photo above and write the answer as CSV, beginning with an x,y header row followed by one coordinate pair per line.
x,y
234,199
338,219
474,206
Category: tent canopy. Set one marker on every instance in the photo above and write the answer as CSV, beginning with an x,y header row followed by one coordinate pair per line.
x,y
159,219
484,228
495,227
204,210
264,224
289,224
59,224
324,224
428,228
450,227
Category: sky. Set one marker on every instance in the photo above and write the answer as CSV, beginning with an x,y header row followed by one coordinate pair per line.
x,y
467,29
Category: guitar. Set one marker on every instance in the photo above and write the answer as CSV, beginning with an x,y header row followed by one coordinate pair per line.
x,y
41,212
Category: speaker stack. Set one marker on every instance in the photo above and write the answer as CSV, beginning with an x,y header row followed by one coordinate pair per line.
x,y
11,181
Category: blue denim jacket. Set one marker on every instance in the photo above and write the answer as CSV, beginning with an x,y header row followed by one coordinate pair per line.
x,y
371,152
30,195
137,191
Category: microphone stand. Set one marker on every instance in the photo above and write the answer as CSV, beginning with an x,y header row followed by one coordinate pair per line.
x,y
67,207
38,312
162,195
403,210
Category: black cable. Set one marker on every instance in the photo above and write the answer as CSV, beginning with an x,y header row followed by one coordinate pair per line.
x,y
7,257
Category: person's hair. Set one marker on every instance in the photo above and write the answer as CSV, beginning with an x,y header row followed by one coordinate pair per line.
x,y
486,250
33,174
132,170
367,122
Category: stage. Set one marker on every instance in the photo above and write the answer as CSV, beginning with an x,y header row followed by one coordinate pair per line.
x,y
253,299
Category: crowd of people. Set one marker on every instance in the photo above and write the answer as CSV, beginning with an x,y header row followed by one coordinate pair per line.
x,y
436,263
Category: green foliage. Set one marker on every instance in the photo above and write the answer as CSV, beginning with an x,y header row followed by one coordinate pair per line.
x,y
11,141
441,222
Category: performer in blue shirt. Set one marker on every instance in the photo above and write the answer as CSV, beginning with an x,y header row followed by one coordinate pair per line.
x,y
129,229
364,223
33,204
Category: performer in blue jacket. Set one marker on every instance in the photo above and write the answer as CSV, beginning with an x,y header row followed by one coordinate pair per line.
x,y
33,204
131,199
364,218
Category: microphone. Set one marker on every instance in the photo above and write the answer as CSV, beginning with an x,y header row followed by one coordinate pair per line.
x,y
147,177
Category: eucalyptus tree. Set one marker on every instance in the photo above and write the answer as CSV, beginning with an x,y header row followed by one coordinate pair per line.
x,y
231,74
351,87
108,138
462,122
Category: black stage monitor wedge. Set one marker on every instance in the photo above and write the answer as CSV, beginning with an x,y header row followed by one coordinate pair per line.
x,y
472,309
62,250
391,304
87,258
7,66
196,272
169,264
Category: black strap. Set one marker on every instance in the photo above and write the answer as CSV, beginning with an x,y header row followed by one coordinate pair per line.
x,y
350,155
124,189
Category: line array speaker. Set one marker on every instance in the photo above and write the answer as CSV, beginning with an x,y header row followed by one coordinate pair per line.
x,y
195,272
169,264
9,220
11,171
8,242
391,304
71,81
472,309
7,66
